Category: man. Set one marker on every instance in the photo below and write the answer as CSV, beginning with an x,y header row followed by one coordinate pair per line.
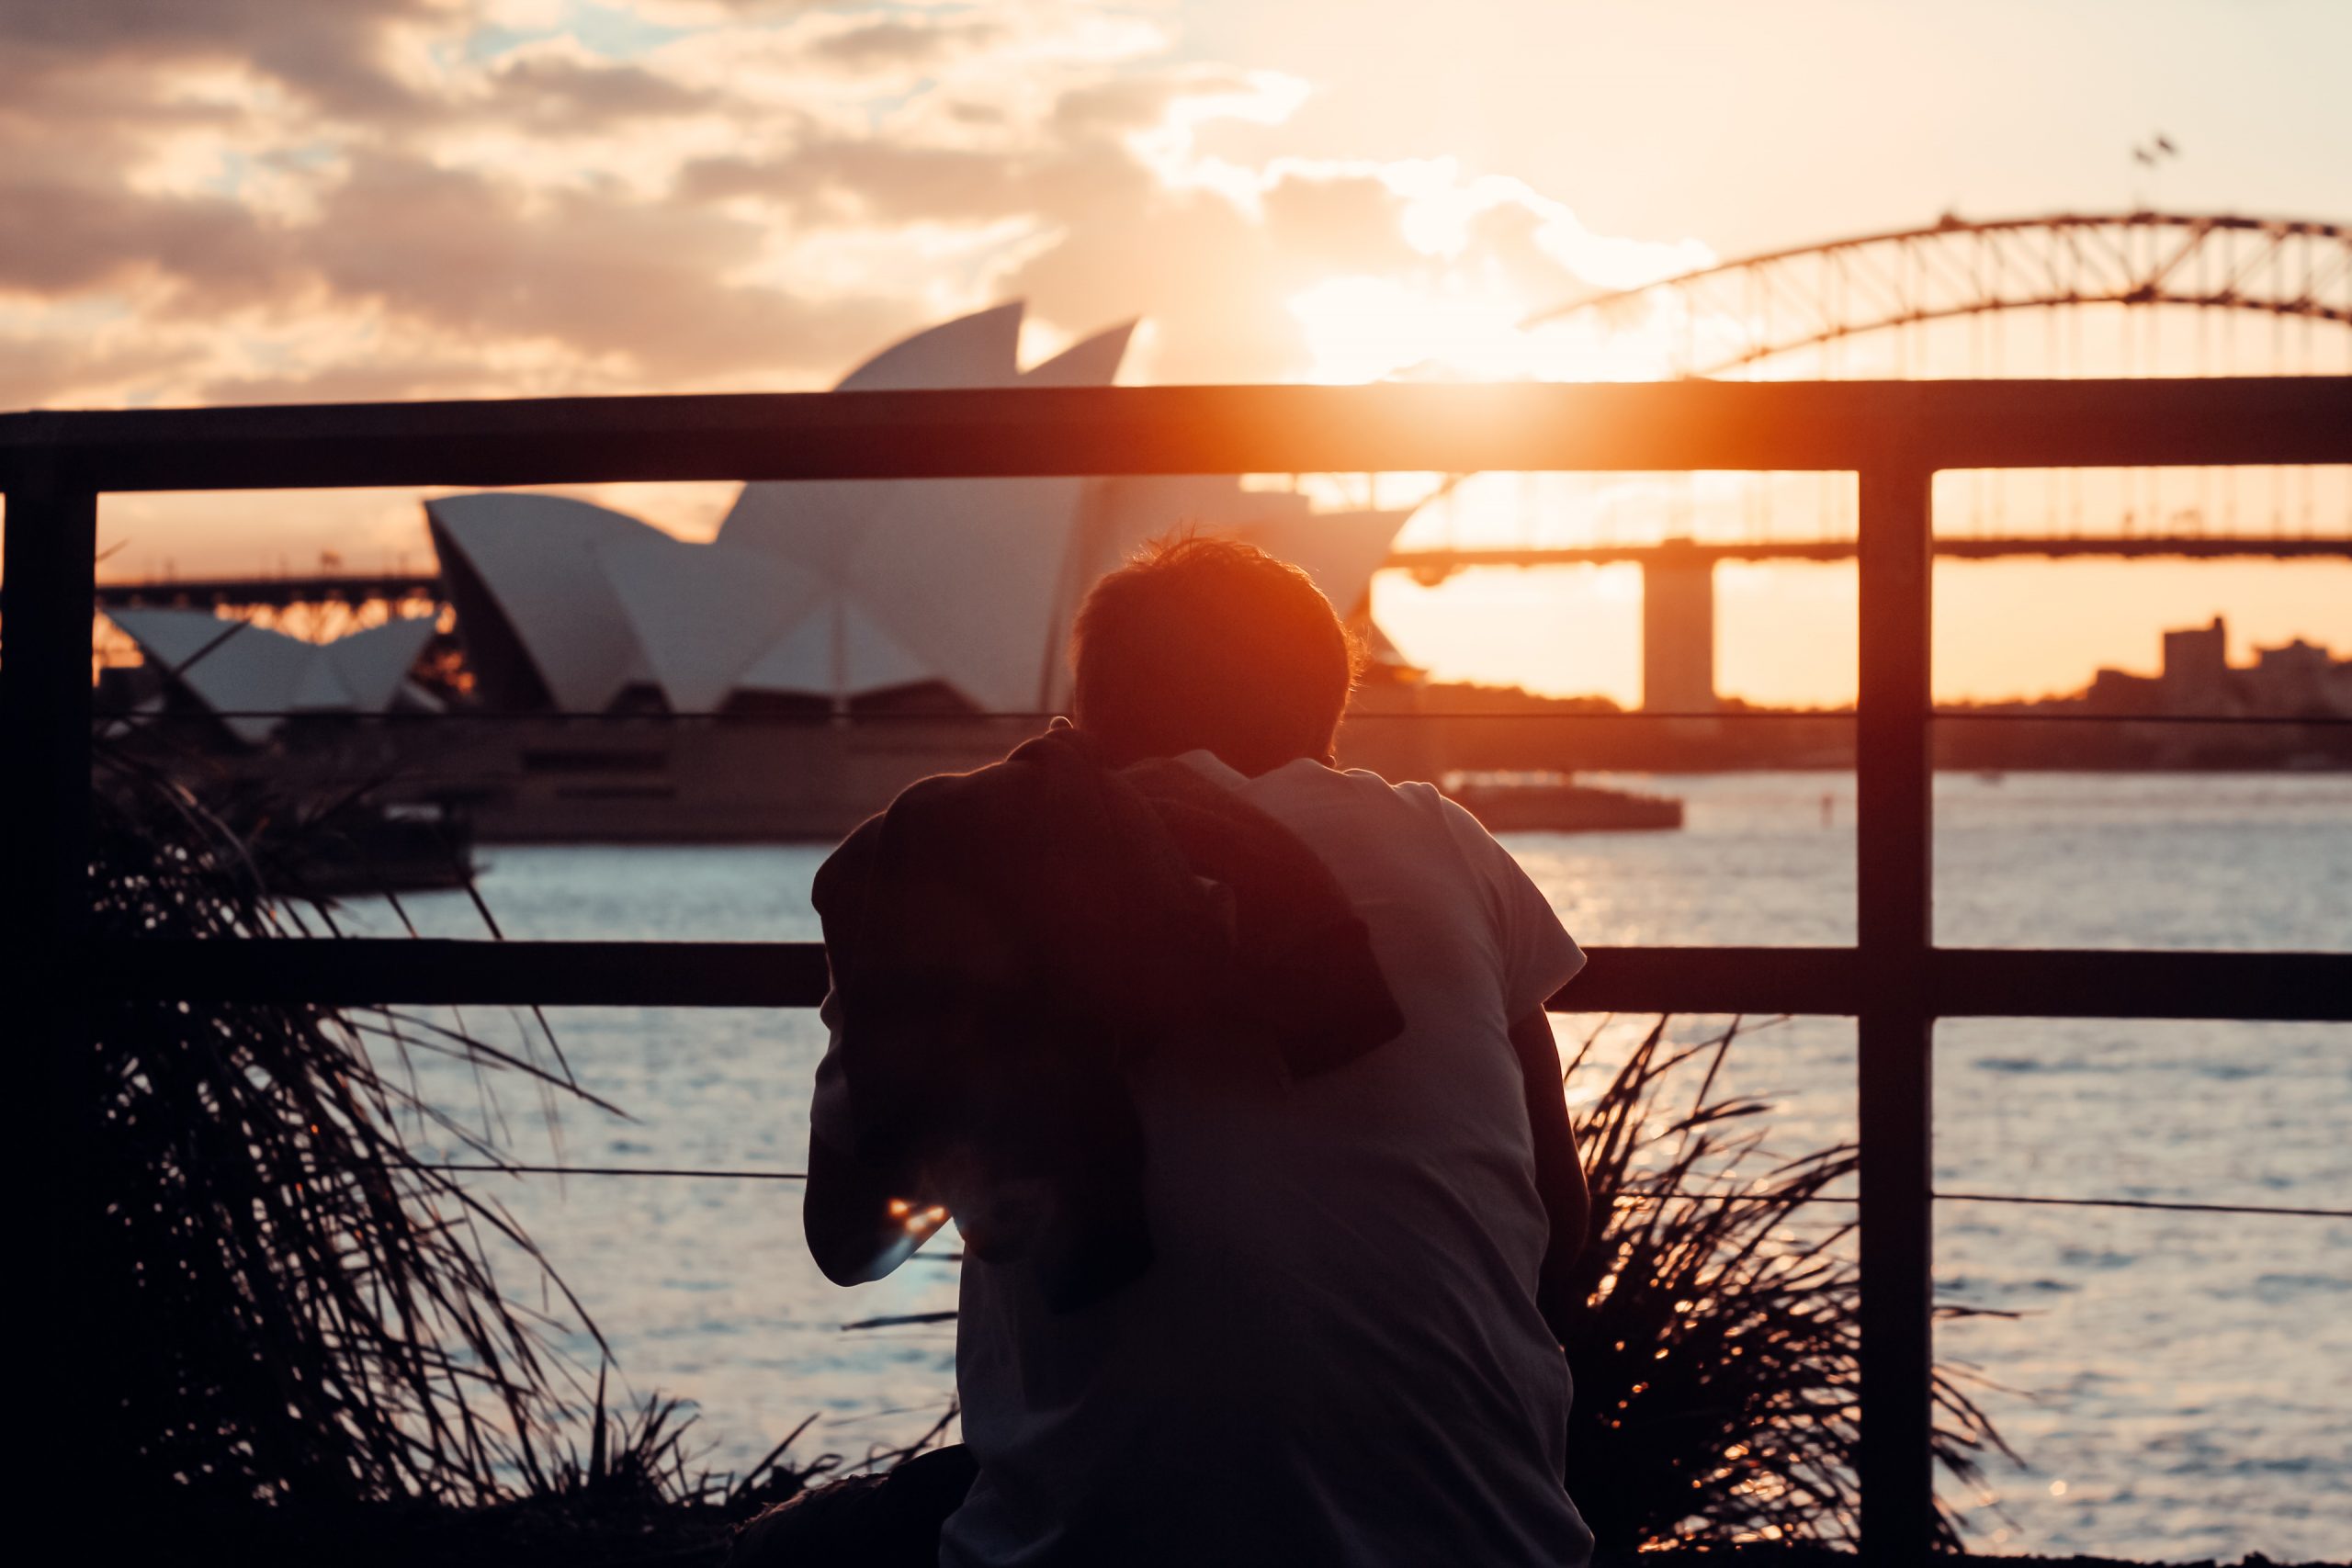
x,y
1234,1070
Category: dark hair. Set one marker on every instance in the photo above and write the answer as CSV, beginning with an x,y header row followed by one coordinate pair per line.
x,y
1207,642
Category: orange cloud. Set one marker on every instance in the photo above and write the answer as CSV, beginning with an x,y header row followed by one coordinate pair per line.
x,y
371,197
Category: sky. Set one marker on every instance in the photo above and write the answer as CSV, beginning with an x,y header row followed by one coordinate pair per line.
x,y
215,202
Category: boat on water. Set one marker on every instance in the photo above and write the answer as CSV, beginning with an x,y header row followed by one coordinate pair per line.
x,y
1556,803
371,849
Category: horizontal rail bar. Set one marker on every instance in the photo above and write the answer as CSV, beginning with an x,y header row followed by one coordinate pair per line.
x,y
1174,430
1714,980
1964,982
2259,987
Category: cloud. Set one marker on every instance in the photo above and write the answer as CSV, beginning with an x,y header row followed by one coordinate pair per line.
x,y
1207,277
560,94
1126,221
66,372
66,239
1125,104
898,42
336,52
387,197
599,272
831,182
637,293
1353,222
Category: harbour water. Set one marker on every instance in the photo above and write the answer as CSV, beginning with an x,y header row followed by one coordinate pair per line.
x,y
2179,1384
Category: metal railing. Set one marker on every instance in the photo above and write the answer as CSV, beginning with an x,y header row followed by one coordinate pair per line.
x,y
1894,981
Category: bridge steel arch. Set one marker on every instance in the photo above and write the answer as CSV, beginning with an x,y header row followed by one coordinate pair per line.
x,y
1737,315
1814,297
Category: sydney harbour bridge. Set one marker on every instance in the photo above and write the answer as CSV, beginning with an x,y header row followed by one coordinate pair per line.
x,y
2123,294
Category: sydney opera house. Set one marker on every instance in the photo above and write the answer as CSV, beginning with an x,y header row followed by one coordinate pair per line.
x,y
854,593
835,639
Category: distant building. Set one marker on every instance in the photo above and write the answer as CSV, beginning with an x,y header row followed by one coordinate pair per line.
x,y
2298,680
2120,693
850,594
2195,678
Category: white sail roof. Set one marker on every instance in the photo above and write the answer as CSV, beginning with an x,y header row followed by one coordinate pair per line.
x,y
1090,362
964,575
537,556
835,648
233,666
249,674
977,350
321,689
967,574
373,665
702,613
819,522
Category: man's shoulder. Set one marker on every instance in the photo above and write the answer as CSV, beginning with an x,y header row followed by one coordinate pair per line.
x,y
1354,814
940,807
1416,820
1360,790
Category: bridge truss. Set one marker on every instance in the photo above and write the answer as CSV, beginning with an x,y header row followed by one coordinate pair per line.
x,y
2126,293
1807,302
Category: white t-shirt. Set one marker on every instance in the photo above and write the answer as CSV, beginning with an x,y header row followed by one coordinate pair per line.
x,y
1336,1355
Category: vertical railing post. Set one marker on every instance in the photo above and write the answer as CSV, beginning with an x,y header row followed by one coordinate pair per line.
x,y
45,697
1893,852
44,884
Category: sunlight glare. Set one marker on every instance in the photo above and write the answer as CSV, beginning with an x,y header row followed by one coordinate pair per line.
x,y
1365,329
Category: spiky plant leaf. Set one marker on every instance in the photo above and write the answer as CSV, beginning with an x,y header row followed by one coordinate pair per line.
x,y
1717,1366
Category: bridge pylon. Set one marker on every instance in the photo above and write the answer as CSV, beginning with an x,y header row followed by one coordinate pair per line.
x,y
1678,630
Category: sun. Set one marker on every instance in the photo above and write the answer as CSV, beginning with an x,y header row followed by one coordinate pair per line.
x,y
1369,328
1366,328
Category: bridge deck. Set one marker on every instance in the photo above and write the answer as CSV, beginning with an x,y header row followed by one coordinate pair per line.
x,y
363,587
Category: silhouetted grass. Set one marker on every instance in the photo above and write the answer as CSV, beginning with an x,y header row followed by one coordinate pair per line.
x,y
316,1356
1717,1366
303,1312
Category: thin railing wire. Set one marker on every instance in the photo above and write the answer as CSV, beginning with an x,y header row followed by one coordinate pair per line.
x,y
714,1174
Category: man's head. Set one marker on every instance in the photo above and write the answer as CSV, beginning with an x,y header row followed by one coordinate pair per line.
x,y
1211,643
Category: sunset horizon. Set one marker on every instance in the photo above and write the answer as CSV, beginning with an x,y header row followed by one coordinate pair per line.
x,y
430,199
